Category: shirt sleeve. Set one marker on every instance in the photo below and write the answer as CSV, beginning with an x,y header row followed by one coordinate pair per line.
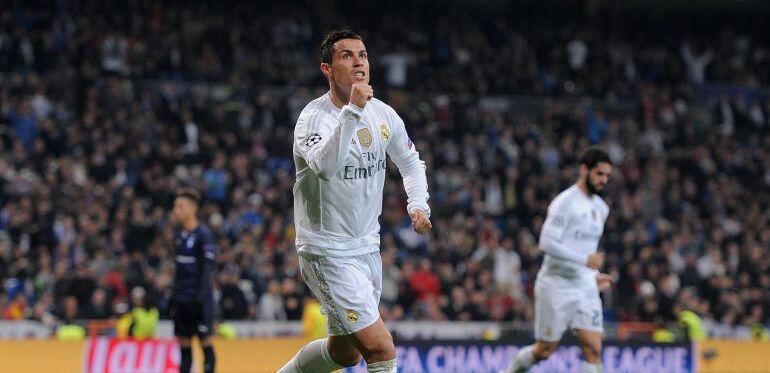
x,y
555,221
553,231
405,155
208,266
325,143
556,248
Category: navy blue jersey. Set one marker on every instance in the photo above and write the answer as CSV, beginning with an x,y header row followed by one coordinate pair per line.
x,y
195,266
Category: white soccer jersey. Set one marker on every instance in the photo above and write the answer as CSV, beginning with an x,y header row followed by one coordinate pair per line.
x,y
340,157
571,233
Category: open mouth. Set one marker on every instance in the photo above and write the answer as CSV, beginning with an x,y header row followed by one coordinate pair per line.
x,y
359,75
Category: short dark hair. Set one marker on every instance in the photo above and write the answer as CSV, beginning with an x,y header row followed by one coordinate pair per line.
x,y
327,44
189,193
593,156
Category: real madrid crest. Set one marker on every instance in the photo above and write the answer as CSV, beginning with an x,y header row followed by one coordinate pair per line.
x,y
364,137
352,316
384,132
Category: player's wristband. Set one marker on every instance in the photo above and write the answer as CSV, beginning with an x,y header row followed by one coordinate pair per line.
x,y
354,109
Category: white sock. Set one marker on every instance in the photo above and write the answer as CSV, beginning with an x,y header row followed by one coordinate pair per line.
x,y
523,361
313,357
591,368
382,367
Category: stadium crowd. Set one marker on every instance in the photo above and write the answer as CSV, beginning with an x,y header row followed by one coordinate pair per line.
x,y
104,114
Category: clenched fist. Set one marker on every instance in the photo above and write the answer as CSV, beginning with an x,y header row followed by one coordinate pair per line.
x,y
420,221
603,281
596,260
361,93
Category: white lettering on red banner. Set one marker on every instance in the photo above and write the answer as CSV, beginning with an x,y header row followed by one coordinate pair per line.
x,y
108,355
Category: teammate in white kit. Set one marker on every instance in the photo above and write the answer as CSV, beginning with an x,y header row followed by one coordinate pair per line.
x,y
341,141
568,284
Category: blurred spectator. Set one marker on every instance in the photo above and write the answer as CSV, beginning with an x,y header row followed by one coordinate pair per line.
x,y
145,315
217,179
696,65
271,303
233,302
424,282
68,312
17,309
99,307
140,319
759,333
313,320
693,325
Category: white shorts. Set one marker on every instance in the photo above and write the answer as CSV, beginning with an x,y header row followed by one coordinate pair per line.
x,y
348,288
558,308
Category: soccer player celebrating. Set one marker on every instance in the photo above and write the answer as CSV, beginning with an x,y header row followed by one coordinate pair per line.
x,y
193,299
568,284
340,145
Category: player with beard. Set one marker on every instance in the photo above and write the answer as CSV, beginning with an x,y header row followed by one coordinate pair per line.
x,y
341,143
568,284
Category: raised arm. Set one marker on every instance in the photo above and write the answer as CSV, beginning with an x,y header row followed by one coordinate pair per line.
x,y
324,142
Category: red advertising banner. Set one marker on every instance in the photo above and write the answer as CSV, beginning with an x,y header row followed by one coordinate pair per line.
x,y
108,355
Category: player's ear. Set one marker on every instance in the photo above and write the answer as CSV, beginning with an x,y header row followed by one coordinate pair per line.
x,y
326,69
